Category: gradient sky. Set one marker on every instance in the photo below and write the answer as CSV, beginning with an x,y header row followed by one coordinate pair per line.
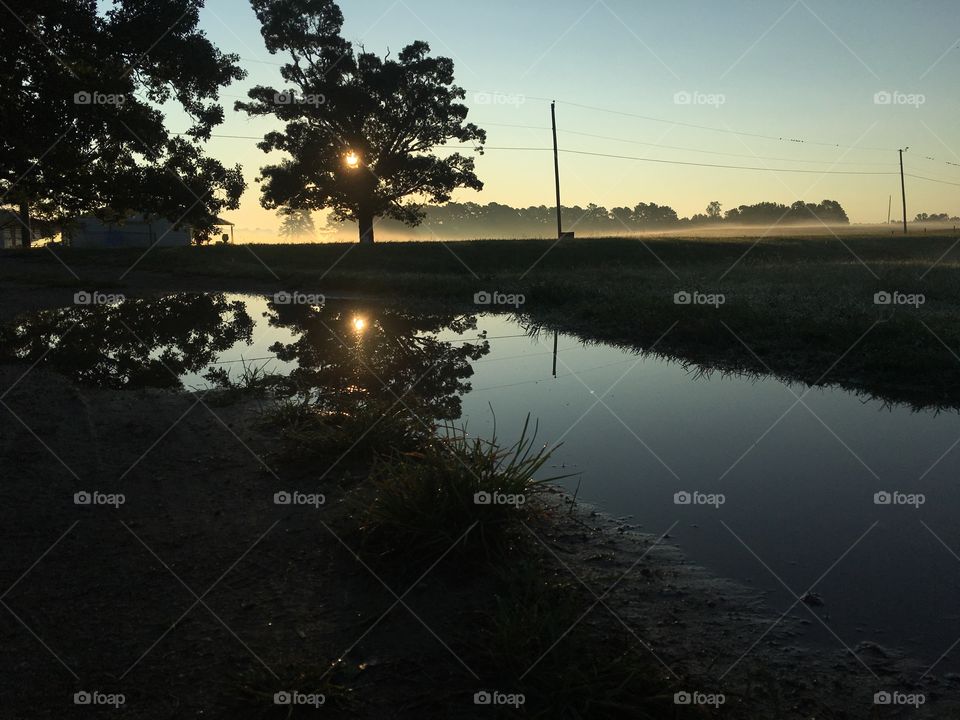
x,y
804,69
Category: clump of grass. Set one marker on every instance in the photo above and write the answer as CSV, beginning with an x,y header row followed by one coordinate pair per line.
x,y
311,431
455,491
254,381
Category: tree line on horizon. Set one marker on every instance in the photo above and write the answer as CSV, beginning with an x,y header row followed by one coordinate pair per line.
x,y
475,220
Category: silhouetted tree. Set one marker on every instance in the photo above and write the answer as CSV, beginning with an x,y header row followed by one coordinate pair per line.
x,y
81,130
361,131
935,217
768,213
296,223
715,211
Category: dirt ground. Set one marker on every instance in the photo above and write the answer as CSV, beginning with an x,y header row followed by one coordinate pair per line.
x,y
199,589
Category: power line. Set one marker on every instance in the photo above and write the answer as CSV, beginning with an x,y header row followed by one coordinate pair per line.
x,y
262,62
675,162
604,137
667,162
934,177
727,131
685,149
929,179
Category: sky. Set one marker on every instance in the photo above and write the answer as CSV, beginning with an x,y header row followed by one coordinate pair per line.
x,y
853,79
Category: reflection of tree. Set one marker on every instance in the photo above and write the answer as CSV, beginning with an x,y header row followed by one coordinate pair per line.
x,y
137,343
350,356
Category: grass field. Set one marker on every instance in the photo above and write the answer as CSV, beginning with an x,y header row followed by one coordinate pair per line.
x,y
799,307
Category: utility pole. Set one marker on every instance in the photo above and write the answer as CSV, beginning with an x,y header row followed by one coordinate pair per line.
x,y
889,208
903,189
556,167
556,338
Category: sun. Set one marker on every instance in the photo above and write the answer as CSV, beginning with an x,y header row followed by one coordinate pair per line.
x,y
359,324
352,160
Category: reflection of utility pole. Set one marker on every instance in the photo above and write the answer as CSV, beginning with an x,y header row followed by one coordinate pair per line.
x,y
556,167
903,189
556,336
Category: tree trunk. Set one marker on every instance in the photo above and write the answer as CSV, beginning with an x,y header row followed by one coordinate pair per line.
x,y
365,221
26,237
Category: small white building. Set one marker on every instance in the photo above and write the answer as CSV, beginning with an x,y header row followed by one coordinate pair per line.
x,y
9,237
137,231
11,230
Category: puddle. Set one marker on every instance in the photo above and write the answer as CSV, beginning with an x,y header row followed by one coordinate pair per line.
x,y
787,486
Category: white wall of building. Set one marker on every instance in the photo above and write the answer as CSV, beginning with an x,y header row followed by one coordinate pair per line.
x,y
138,231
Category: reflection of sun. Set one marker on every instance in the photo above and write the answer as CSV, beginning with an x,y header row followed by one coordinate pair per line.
x,y
359,324
352,160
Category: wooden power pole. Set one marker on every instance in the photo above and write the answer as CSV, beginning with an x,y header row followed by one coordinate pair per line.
x,y
903,190
556,167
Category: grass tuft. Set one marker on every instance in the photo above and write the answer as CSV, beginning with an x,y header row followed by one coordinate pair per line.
x,y
455,490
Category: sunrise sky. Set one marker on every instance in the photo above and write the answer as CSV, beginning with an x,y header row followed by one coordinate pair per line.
x,y
802,70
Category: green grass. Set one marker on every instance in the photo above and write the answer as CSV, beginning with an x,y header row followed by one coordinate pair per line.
x,y
365,429
465,495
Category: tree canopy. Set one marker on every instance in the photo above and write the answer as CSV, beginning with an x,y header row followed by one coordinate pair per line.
x,y
82,131
360,130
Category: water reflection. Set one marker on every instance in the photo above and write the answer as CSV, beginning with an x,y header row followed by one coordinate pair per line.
x,y
134,344
340,355
358,354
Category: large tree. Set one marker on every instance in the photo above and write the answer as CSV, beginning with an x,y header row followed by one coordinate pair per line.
x,y
81,126
360,130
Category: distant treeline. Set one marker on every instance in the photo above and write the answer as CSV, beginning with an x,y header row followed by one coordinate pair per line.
x,y
494,219
935,218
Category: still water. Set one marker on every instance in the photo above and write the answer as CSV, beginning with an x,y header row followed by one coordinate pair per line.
x,y
791,489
